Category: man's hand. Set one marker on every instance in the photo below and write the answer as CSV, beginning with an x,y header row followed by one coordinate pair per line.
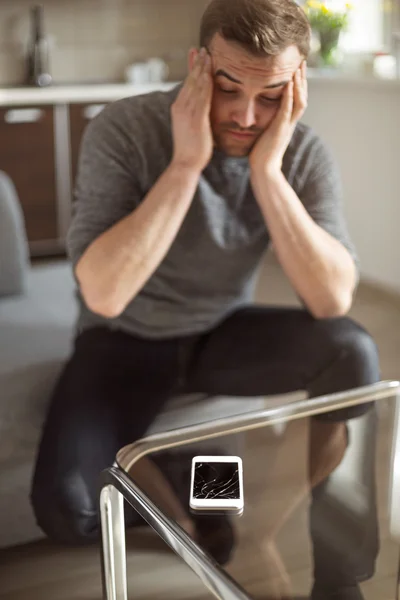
x,y
192,133
267,155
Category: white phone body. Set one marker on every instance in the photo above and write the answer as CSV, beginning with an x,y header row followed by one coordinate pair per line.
x,y
217,484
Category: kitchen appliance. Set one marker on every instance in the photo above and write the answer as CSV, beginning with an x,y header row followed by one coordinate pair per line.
x,y
38,71
154,70
158,70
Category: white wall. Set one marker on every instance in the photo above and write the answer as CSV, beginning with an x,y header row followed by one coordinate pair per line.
x,y
95,40
360,120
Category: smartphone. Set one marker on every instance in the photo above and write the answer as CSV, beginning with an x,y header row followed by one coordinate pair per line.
x,y
217,485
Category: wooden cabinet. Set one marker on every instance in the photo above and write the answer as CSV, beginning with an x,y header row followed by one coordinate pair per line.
x,y
27,155
39,150
80,115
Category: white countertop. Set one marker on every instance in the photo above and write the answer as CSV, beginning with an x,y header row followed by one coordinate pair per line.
x,y
97,93
69,94
332,76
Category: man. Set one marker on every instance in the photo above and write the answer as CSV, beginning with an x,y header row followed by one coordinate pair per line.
x,y
178,196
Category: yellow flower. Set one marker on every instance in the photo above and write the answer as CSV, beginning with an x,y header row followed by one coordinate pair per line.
x,y
325,10
314,4
349,6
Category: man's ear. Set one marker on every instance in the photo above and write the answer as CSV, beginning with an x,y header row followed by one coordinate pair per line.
x,y
193,54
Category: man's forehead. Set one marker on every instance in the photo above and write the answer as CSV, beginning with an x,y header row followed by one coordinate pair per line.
x,y
236,61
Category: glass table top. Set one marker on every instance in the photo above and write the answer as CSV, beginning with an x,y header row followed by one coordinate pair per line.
x,y
319,517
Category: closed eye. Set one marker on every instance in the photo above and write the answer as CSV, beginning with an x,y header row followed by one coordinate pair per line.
x,y
273,100
262,98
228,91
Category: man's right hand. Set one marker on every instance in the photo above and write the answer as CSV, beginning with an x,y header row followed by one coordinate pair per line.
x,y
191,126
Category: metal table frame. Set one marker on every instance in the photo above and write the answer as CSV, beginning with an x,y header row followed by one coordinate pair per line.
x,y
116,486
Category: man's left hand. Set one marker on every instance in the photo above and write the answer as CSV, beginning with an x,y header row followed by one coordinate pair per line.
x,y
267,155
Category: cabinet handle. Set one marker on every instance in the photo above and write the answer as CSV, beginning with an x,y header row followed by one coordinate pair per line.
x,y
91,111
23,115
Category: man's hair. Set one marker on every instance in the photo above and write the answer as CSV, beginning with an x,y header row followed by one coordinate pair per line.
x,y
263,27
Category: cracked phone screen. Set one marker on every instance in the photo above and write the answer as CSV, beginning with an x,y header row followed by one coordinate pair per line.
x,y
216,480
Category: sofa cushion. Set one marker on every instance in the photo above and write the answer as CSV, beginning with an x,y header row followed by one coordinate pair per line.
x,y
14,259
36,338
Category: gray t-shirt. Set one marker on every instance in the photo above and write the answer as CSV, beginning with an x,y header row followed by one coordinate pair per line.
x,y
211,267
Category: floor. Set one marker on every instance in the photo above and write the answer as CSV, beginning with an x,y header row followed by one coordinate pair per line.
x,y
47,572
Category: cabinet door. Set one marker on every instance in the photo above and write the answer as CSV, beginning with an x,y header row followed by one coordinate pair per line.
x,y
27,156
80,115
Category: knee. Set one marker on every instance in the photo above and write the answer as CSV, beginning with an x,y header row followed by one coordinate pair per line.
x,y
62,516
362,352
354,364
357,347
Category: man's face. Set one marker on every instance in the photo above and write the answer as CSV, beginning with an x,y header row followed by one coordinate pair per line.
x,y
247,93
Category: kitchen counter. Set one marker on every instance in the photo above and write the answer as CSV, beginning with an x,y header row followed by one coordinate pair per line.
x,y
70,94
349,78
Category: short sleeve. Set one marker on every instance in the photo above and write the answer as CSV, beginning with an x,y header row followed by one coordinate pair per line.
x,y
321,193
107,187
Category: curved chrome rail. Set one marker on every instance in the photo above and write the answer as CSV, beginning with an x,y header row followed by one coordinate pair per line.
x,y
246,421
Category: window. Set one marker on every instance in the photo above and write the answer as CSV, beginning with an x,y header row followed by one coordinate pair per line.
x,y
372,23
366,30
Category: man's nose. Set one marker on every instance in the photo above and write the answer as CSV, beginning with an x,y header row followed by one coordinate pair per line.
x,y
246,116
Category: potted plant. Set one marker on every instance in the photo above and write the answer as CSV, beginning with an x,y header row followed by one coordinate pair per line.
x,y
328,24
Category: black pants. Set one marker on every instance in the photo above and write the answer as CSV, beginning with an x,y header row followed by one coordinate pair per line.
x,y
115,384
